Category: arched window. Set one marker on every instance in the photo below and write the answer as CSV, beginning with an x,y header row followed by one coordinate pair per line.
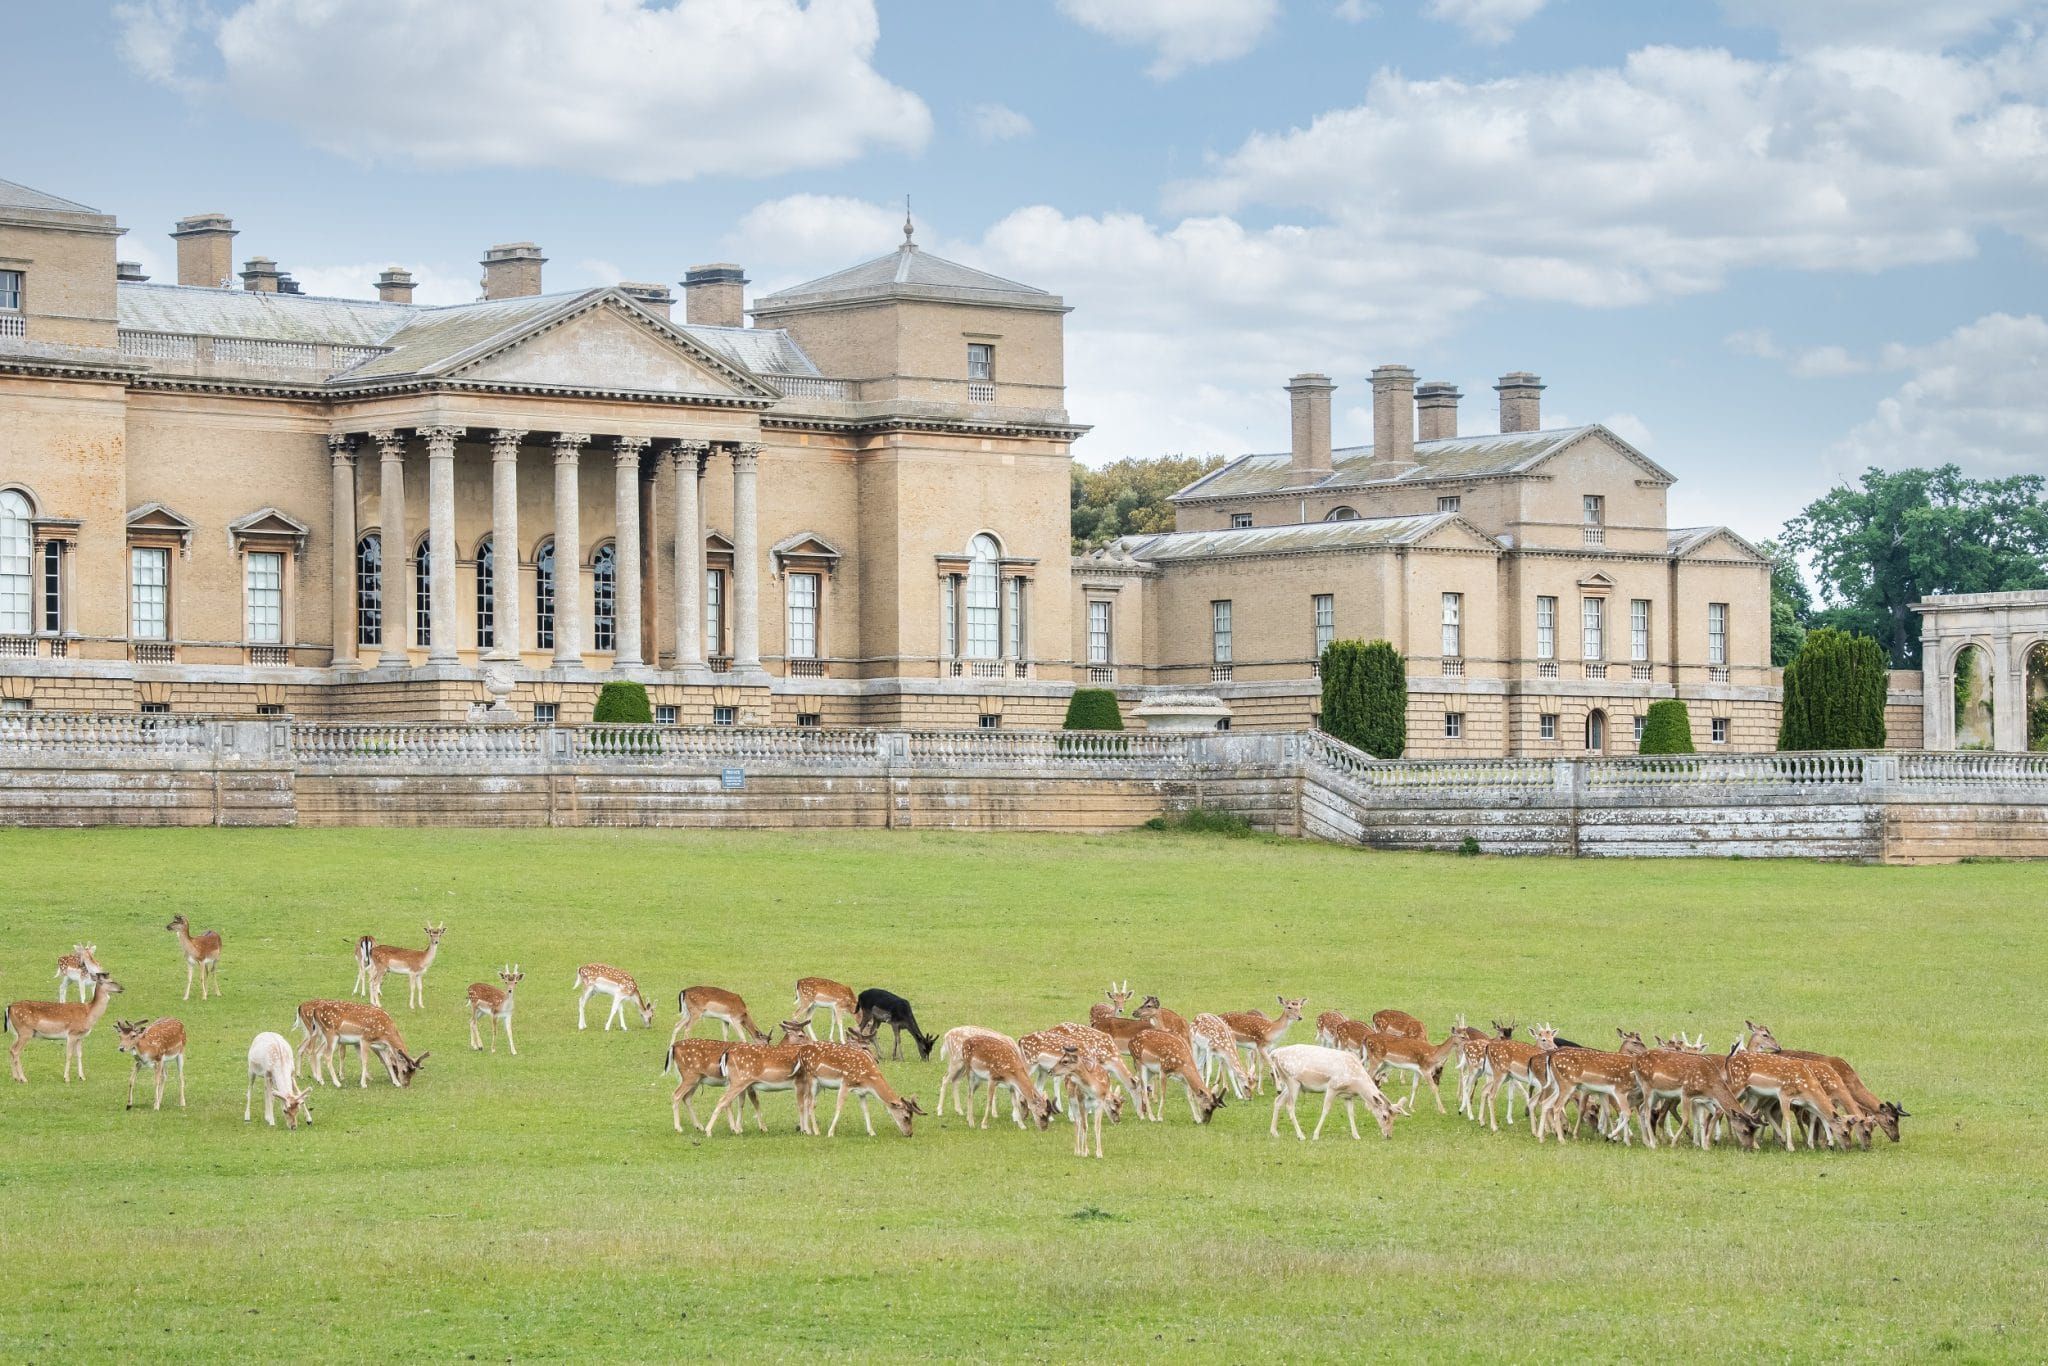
x,y
984,605
604,574
17,566
1596,731
370,590
423,594
1341,514
486,597
544,596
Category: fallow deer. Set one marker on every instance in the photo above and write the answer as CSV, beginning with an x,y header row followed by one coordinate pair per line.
x,y
71,1022
876,1007
411,964
698,1062
1256,1033
1327,1025
1164,1055
1159,1017
1043,1048
959,1081
716,1003
1216,1054
1588,1071
272,1060
594,979
487,1002
1695,1085
1398,1022
78,966
750,1068
372,1030
363,944
1795,1084
1089,1092
1885,1113
1110,1019
997,1061
1507,1065
1421,1059
1311,1067
814,994
158,1043
202,955
845,1068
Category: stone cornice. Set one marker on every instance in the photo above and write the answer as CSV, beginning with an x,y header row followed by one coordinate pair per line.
x,y
870,426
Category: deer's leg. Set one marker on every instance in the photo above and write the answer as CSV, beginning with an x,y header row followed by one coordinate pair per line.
x,y
508,1035
1329,1095
476,1043
189,965
181,1081
249,1099
581,1002
132,1073
163,1069
269,1102
837,1110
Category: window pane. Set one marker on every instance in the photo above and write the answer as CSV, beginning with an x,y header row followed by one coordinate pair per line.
x,y
1594,642
949,618
423,595
544,597
1220,631
803,616
1596,509
370,590
486,597
1454,635
981,361
714,611
10,290
1014,612
984,614
604,578
1326,621
17,550
1098,632
1717,633
148,576
53,587
1546,628
264,591
1639,629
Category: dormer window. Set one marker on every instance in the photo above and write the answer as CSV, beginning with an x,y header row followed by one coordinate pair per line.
x,y
1595,519
1240,520
981,361
1449,502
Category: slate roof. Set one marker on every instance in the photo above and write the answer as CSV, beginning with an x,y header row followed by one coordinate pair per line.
x,y
764,350
1681,540
13,196
433,336
1279,540
911,272
1455,457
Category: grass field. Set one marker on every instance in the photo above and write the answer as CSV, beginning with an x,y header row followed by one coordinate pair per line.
x,y
542,1206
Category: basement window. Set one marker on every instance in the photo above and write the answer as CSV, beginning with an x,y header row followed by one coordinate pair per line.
x,y
544,713
1454,725
156,709
13,704
1548,725
809,718
725,716
664,716
1720,730
270,709
991,722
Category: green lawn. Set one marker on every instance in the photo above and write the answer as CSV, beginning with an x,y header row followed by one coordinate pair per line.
x,y
542,1206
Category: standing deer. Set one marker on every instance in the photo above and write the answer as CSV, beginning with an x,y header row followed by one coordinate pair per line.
x,y
698,1062
879,1007
959,1079
1256,1034
487,1002
845,1068
202,956
1157,1016
1335,1072
1398,1022
822,993
1419,1058
750,1068
411,964
1164,1055
594,979
70,1022
1216,1054
156,1043
716,1003
363,945
78,966
996,1060
271,1058
1110,1017
1044,1048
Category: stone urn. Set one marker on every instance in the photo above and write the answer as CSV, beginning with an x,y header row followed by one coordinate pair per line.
x,y
1182,714
496,680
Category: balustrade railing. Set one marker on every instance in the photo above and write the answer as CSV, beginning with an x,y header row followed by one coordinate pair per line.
x,y
1965,768
1730,770
1058,746
421,743
1360,768
723,744
811,386
109,733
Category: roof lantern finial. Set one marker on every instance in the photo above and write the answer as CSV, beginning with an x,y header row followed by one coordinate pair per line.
x,y
909,228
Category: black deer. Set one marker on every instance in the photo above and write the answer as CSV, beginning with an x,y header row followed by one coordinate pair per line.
x,y
878,1007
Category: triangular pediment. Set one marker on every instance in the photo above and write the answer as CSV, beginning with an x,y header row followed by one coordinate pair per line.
x,y
1596,580
1455,533
804,545
612,345
718,540
157,517
1719,543
268,522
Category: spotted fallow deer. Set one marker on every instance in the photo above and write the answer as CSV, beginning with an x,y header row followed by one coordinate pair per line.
x,y
1335,1072
371,1029
814,994
1089,1091
698,1062
1696,1085
69,1022
411,964
1507,1066
959,1080
1162,1055
602,979
363,944
1885,1113
997,1061
158,1043
716,1003
202,956
1589,1071
1043,1048
1158,1016
78,966
1256,1033
272,1060
1795,1084
844,1068
487,1002
1421,1059
1398,1022
1216,1054
1110,1018
750,1068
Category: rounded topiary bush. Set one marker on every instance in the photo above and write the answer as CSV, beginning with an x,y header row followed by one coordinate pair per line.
x,y
623,702
1093,709
1667,728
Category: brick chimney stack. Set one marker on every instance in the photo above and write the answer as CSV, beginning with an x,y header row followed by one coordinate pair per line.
x,y
1308,402
394,286
1436,410
655,298
512,270
1521,402
715,295
206,250
1393,413
260,275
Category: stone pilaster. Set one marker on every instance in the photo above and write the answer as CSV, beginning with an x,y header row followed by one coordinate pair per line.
x,y
746,560
689,457
396,549
568,550
441,548
626,549
505,543
341,455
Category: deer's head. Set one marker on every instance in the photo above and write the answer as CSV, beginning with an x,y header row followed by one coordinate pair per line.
x,y
1503,1029
863,1037
106,986
646,1012
1632,1042
1209,1105
178,924
408,1068
904,1108
1546,1037
434,933
511,976
1760,1038
1119,994
296,1107
1290,1007
798,1027
130,1033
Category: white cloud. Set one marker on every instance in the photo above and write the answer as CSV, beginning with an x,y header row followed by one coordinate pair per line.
x,y
1355,11
998,123
1754,341
1629,428
801,236
1486,21
1903,23
432,284
1974,398
1182,33
1815,362
612,88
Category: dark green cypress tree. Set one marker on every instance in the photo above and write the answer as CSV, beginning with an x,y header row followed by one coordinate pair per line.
x,y
1093,709
1834,693
623,702
1382,690
1667,728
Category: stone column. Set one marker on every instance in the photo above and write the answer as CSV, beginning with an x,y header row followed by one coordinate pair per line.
x,y
626,550
505,543
341,454
689,457
650,574
392,538
746,561
568,551
441,549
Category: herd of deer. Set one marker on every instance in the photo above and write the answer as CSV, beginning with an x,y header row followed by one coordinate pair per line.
x,y
1081,1071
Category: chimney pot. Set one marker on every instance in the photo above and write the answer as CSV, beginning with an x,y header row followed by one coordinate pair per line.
x,y
655,298
512,270
1308,401
1521,402
1393,413
1436,410
260,275
715,295
394,286
206,250
129,272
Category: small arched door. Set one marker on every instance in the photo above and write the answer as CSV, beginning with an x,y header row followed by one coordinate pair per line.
x,y
1596,731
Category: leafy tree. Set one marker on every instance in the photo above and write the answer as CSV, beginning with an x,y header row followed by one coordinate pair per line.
x,y
1365,696
2037,700
1093,709
1667,728
623,702
1129,497
1896,537
1834,693
1791,603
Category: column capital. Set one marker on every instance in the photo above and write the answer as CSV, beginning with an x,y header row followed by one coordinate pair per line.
x,y
746,455
341,446
569,445
626,449
390,443
505,443
441,440
686,449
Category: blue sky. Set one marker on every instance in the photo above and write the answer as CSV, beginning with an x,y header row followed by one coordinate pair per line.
x,y
1771,241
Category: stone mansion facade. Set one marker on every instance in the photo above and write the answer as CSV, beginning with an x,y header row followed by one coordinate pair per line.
x,y
222,495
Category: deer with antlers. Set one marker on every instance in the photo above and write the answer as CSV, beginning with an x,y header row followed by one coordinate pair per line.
x,y
202,955
272,1061
844,1068
1334,1072
1109,1017
78,966
338,1024
716,1003
602,979
68,1022
1256,1033
814,994
411,964
158,1043
487,1002
1886,1114
1162,1055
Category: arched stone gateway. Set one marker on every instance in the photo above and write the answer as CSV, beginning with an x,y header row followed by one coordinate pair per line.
x,y
1984,658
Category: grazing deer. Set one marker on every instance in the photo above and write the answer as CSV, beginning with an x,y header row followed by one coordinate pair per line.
x,y
487,1002
698,1062
372,1030
1256,1034
1043,1048
1422,1060
363,945
822,993
1398,1022
202,955
997,1061
845,1068
750,1068
156,1043
958,1079
716,1003
1695,1085
411,964
1158,1016
1334,1072
878,1007
1588,1071
71,1022
1216,1054
1795,1084
594,979
1164,1055
271,1058
1089,1092
1885,1113
78,966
